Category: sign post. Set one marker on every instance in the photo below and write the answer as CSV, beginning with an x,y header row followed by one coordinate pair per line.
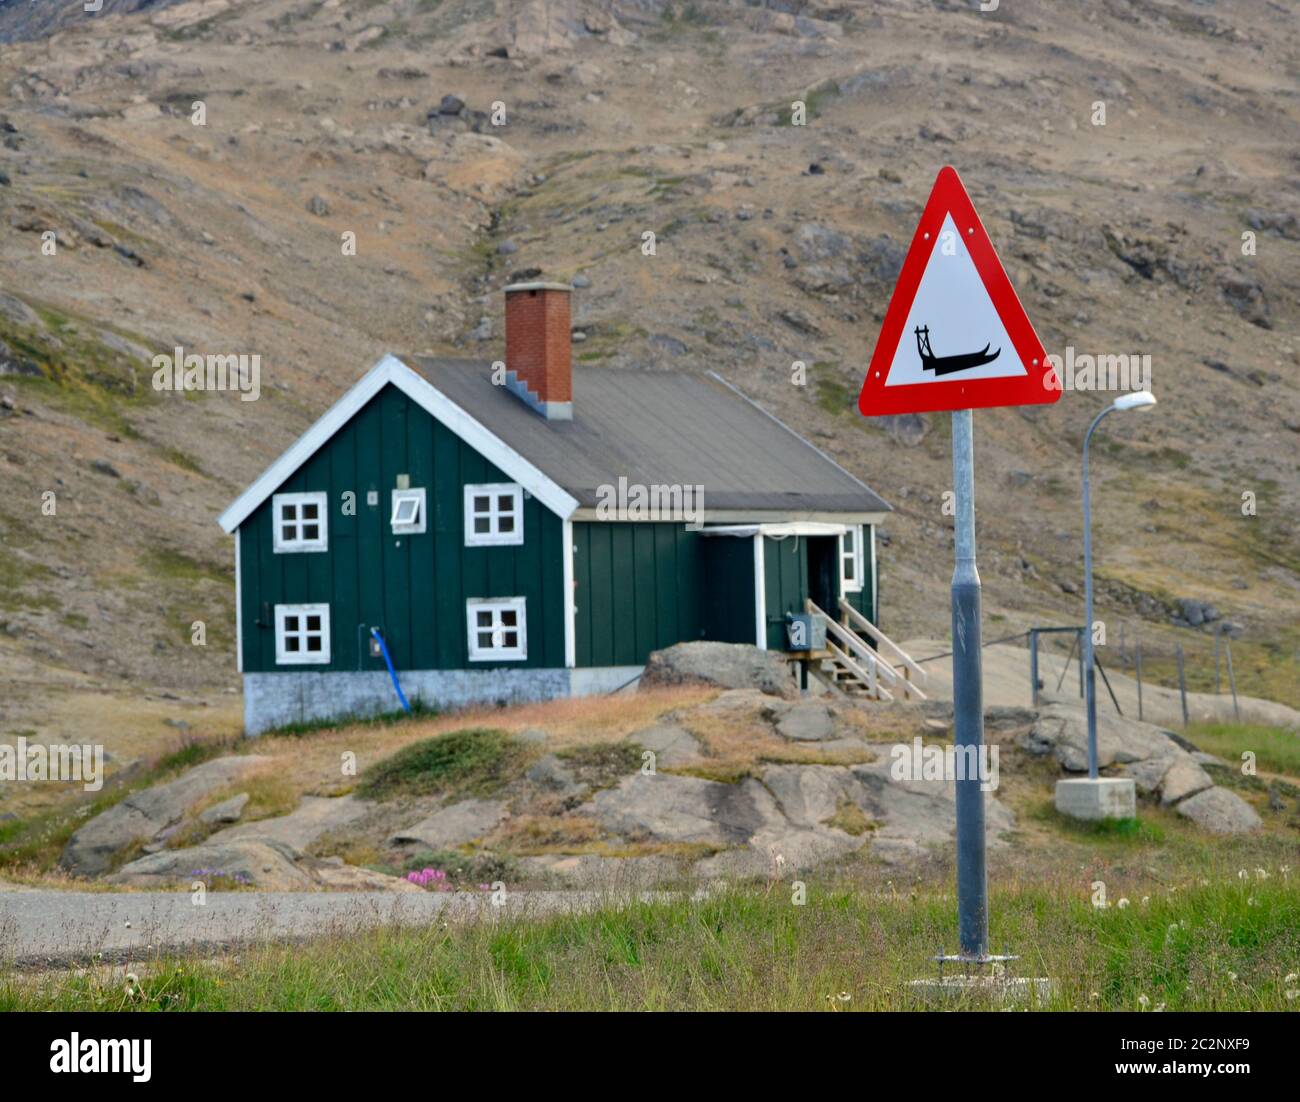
x,y
974,348
968,701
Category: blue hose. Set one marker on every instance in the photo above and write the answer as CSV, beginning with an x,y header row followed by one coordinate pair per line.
x,y
392,673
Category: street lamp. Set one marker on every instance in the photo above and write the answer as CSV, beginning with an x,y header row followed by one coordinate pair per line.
x,y
1142,399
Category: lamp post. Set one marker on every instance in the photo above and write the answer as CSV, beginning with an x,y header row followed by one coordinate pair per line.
x,y
1142,399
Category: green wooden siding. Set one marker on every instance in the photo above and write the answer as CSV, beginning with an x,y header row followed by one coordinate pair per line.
x,y
786,583
413,587
639,587
785,588
729,592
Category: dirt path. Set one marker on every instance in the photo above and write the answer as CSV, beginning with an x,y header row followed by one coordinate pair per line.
x,y
1006,684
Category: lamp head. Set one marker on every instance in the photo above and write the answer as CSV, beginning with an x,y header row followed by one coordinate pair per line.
x,y
1142,399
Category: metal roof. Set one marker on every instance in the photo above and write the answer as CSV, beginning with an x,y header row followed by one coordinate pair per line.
x,y
658,428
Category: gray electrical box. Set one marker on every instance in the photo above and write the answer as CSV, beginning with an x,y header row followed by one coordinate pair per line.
x,y
805,631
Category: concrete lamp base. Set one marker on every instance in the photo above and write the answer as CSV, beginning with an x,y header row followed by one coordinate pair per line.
x,y
984,989
1104,798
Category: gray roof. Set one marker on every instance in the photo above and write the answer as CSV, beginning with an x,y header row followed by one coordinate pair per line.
x,y
658,428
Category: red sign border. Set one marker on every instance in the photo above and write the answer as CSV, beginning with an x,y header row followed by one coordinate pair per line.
x,y
1039,386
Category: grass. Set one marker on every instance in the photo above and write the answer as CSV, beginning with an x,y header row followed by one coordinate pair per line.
x,y
1276,749
472,762
167,564
1222,944
81,374
15,576
37,841
419,711
1138,832
603,764
270,794
833,395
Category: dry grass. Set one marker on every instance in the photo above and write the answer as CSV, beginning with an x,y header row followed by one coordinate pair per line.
x,y
738,743
270,794
312,763
534,834
851,819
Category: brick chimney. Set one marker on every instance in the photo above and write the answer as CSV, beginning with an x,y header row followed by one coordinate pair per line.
x,y
539,350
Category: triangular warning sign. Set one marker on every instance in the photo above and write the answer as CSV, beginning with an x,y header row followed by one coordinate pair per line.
x,y
955,335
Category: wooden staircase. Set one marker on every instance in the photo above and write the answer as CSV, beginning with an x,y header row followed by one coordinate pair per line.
x,y
856,669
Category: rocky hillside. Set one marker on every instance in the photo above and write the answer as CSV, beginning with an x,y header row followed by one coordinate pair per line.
x,y
186,174
646,789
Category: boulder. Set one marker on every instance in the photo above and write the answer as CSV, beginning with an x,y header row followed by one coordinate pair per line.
x,y
256,863
313,817
454,825
1183,778
551,774
781,851
810,794
670,808
1062,730
919,812
807,721
228,811
271,866
728,665
144,816
1147,774
672,745
769,708
1220,812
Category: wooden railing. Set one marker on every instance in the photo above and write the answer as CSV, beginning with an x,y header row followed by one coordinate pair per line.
x,y
882,679
911,671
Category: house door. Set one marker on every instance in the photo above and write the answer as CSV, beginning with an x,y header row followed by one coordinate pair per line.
x,y
824,573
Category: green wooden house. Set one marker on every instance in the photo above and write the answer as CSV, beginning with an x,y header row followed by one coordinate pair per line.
x,y
525,529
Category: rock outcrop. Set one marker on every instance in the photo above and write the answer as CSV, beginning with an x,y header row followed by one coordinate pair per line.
x,y
147,816
253,863
1159,762
728,665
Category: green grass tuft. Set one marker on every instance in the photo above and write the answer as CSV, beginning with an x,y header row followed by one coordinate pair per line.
x,y
472,762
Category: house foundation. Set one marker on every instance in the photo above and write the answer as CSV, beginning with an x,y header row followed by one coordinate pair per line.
x,y
287,697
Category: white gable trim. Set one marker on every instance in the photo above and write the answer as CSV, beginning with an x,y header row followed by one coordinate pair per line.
x,y
570,601
441,408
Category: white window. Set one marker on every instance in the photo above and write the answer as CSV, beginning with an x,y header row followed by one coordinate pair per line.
x,y
498,629
494,513
302,635
300,523
408,512
851,560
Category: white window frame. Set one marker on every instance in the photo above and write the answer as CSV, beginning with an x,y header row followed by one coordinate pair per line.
x,y
279,544
420,523
851,548
494,491
285,657
497,605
